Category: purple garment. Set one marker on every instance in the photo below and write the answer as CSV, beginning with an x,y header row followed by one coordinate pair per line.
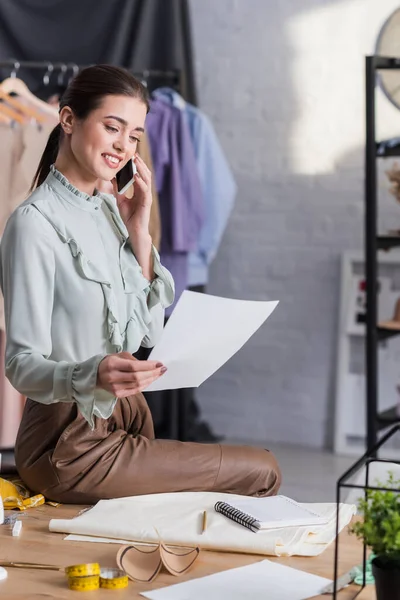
x,y
179,189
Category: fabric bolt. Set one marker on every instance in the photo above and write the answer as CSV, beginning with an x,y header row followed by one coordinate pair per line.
x,y
179,189
218,185
175,518
58,455
74,293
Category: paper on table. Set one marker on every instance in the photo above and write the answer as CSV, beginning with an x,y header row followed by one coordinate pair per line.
x,y
265,579
202,334
278,511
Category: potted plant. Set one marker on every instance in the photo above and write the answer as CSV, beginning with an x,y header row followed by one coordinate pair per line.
x,y
380,530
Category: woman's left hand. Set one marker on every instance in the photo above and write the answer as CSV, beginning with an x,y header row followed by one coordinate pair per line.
x,y
135,211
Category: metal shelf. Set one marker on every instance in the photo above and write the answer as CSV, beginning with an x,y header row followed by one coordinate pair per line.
x,y
388,417
385,62
386,242
387,152
373,243
384,333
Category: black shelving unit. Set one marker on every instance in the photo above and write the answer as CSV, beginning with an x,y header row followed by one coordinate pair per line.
x,y
374,332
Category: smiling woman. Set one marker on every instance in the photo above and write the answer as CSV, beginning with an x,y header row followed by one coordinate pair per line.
x,y
84,288
96,129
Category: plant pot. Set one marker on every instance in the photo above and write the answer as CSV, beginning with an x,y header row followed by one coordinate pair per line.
x,y
387,578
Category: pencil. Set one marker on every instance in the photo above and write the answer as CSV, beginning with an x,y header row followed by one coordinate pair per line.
x,y
204,525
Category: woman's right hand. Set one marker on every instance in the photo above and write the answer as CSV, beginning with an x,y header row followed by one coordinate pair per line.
x,y
123,375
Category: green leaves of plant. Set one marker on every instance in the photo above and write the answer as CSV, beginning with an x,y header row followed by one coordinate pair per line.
x,y
380,529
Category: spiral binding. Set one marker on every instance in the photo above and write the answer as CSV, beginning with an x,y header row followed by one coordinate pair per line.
x,y
238,516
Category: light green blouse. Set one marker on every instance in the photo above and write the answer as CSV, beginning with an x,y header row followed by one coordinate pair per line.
x,y
73,293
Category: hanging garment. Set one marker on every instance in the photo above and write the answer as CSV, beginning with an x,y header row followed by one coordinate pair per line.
x,y
74,293
218,186
10,138
20,150
144,151
33,141
179,189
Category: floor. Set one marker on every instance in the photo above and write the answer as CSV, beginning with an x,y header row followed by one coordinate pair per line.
x,y
309,475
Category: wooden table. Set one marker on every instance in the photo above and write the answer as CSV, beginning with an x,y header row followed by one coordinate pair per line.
x,y
37,544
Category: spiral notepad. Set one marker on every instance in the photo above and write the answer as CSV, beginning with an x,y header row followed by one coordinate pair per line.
x,y
269,513
237,515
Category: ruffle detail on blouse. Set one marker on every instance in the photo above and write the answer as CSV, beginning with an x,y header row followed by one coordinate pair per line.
x,y
142,295
92,272
91,401
162,288
96,272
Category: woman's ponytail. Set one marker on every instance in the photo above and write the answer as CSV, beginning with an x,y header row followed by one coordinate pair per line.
x,y
48,157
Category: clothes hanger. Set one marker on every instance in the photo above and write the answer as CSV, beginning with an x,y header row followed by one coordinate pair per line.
x,y
5,119
144,78
75,70
23,108
13,114
16,85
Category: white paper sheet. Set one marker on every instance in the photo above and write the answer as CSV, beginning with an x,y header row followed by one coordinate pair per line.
x,y
202,334
265,579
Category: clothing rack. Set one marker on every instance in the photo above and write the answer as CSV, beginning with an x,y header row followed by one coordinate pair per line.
x,y
149,77
15,65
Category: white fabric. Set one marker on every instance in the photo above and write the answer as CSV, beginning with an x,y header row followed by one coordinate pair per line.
x,y
177,519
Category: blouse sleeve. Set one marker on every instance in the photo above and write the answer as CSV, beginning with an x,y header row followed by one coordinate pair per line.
x,y
27,277
161,293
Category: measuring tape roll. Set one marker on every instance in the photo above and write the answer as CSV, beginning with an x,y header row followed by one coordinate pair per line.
x,y
83,570
84,584
113,579
89,576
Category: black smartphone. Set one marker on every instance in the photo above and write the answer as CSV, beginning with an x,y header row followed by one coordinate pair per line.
x,y
125,177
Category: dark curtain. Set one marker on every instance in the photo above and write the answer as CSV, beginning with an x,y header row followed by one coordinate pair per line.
x,y
138,34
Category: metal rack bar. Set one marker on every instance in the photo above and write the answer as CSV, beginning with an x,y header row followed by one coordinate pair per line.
x,y
370,242
385,62
46,64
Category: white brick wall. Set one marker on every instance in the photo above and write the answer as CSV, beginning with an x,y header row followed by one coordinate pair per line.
x,y
284,85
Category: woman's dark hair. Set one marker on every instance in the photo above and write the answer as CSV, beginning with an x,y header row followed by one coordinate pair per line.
x,y
83,95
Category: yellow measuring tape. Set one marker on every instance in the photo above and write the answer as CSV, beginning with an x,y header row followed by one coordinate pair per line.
x,y
113,579
86,577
